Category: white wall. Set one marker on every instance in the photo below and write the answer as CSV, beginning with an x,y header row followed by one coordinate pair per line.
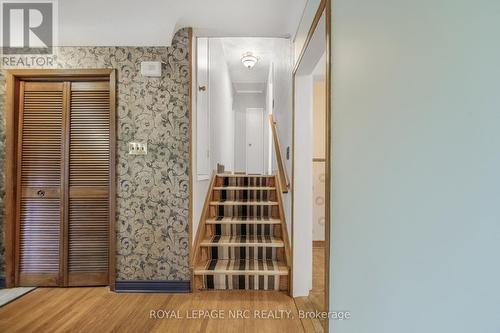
x,y
221,115
221,107
269,111
201,114
282,90
200,186
303,203
416,166
240,105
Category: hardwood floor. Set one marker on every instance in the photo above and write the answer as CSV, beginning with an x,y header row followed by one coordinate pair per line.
x,y
316,299
98,310
317,294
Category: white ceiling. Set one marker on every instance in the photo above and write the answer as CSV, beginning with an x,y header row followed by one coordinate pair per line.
x,y
262,48
153,22
249,87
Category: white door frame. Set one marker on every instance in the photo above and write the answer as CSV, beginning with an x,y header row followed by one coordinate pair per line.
x,y
270,111
246,137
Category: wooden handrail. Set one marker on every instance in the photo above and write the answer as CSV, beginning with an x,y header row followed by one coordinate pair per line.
x,y
283,175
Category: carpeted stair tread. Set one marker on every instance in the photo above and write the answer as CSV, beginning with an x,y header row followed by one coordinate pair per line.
x,y
243,203
241,267
240,220
262,241
244,188
243,175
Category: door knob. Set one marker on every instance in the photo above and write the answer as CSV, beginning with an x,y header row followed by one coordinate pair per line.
x,y
40,193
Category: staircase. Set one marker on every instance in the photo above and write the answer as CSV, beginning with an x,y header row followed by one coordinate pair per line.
x,y
242,240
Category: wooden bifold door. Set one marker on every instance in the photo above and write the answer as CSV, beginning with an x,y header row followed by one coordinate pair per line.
x,y
64,189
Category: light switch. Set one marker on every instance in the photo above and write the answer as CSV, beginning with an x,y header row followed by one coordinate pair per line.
x,y
137,148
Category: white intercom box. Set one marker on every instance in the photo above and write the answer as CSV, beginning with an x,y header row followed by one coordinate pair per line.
x,y
151,68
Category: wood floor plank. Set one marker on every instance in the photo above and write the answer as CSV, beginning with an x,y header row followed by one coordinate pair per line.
x,y
316,299
99,310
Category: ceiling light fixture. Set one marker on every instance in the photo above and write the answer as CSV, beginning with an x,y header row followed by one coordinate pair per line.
x,y
249,60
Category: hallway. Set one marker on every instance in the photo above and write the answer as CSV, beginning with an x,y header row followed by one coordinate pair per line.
x,y
231,166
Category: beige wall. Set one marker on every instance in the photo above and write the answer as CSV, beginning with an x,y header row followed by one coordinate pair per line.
x,y
319,133
319,119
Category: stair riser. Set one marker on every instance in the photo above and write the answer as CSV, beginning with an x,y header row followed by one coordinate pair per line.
x,y
244,195
244,252
240,211
245,282
245,181
246,230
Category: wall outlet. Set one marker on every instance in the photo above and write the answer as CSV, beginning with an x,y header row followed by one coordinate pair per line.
x,y
137,148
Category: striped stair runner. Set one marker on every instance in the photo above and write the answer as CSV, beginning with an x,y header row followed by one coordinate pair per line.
x,y
241,240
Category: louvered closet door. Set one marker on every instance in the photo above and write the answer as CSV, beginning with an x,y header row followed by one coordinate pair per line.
x,y
89,180
40,203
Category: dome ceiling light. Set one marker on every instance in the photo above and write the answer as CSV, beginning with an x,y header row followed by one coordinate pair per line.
x,y
249,60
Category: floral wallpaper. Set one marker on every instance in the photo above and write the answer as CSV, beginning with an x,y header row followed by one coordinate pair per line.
x,y
152,190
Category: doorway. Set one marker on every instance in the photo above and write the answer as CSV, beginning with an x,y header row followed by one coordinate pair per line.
x,y
254,141
60,193
224,91
311,170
